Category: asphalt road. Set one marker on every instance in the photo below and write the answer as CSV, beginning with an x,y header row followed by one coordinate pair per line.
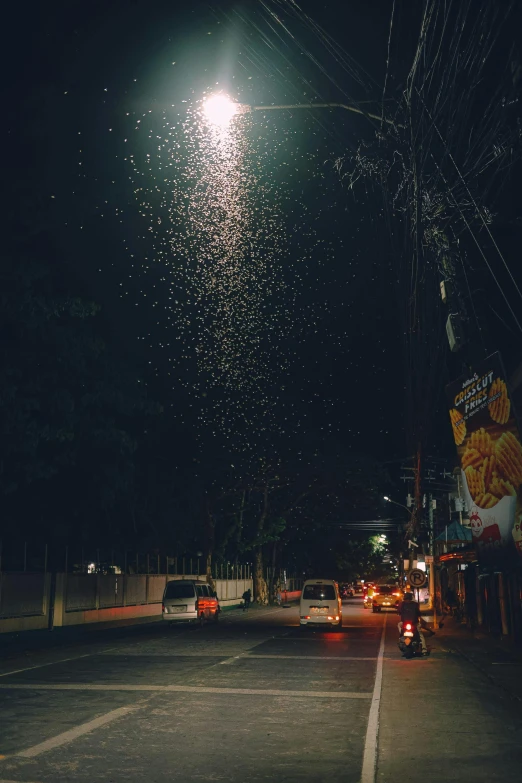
x,y
254,698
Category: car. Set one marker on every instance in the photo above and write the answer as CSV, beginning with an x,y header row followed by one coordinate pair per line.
x,y
346,591
190,601
320,603
386,597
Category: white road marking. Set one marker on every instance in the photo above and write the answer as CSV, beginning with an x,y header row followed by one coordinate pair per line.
x,y
247,616
231,660
369,765
246,655
120,650
78,731
332,637
53,663
70,686
314,657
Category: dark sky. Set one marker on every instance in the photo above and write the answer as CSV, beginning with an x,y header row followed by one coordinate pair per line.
x,y
297,332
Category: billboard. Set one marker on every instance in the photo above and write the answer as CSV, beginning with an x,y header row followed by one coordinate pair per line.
x,y
490,452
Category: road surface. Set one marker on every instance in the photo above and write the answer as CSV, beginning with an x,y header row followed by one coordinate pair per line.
x,y
254,698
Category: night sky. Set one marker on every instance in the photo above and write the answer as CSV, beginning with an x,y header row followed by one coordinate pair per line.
x,y
250,286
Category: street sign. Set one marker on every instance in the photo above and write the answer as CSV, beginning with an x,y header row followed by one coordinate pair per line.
x,y
428,559
416,577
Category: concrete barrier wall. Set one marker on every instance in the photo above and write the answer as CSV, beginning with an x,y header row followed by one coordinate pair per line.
x,y
25,599
231,589
23,594
293,595
136,589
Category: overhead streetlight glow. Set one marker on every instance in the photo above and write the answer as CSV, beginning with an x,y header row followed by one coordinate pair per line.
x,y
386,498
219,110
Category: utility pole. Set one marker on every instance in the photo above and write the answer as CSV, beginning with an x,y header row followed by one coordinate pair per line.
x,y
432,555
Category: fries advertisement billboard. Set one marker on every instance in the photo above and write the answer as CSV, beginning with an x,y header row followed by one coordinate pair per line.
x,y
490,452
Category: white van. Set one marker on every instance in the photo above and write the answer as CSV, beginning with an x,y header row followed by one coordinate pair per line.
x,y
321,603
190,601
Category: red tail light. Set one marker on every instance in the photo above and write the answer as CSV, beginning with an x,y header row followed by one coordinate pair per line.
x,y
163,608
408,626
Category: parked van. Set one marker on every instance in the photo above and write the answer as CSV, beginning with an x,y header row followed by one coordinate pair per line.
x,y
321,603
189,600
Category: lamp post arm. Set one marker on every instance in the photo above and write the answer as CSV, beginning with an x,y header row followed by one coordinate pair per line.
x,y
389,500
345,106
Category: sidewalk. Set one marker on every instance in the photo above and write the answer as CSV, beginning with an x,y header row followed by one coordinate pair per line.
x,y
497,658
451,716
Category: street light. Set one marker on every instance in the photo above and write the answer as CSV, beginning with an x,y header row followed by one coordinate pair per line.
x,y
389,500
219,109
411,544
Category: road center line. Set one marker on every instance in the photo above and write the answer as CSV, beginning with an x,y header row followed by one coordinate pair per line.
x,y
369,765
70,686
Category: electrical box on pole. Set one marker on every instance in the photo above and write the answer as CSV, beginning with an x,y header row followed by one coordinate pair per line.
x,y
455,332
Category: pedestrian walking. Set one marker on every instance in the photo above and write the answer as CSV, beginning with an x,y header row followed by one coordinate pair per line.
x,y
451,600
247,596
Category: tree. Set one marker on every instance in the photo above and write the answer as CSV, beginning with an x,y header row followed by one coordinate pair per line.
x,y
362,558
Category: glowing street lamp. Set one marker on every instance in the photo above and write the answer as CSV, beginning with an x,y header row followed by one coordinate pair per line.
x,y
389,500
219,110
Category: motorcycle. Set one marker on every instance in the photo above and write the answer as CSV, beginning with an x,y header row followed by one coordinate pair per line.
x,y
409,641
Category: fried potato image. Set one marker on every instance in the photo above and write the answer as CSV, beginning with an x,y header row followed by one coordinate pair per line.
x,y
488,470
508,452
499,409
501,487
482,442
475,481
472,457
459,426
486,500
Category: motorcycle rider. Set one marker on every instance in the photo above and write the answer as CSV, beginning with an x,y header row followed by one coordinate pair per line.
x,y
409,611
